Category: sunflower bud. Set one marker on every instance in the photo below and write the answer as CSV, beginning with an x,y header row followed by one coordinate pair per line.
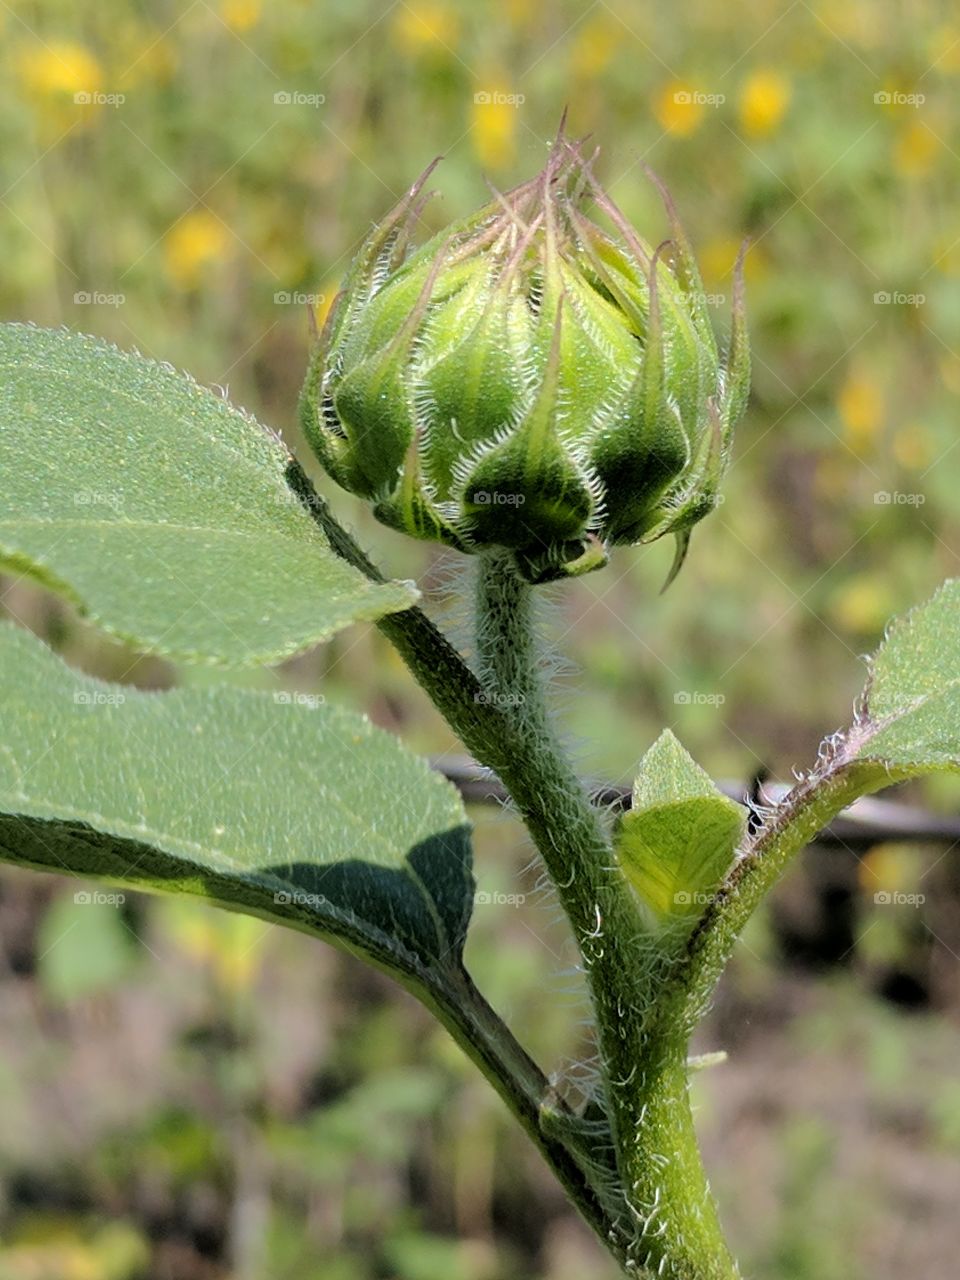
x,y
528,379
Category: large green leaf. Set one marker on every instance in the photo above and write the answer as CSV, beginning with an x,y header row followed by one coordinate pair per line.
x,y
300,812
160,509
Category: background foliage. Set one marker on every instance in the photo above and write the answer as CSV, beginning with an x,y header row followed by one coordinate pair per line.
x,y
186,1094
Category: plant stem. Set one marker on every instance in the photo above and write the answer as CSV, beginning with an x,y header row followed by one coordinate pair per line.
x,y
568,830
481,1033
669,1211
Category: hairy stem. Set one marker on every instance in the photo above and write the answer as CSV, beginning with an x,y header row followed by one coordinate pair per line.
x,y
669,1213
568,830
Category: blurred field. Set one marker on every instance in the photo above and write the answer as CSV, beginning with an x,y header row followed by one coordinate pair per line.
x,y
191,1096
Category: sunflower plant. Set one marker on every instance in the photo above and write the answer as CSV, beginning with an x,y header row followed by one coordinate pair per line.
x,y
534,387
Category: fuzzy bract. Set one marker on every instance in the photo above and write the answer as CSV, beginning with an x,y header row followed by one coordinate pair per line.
x,y
528,379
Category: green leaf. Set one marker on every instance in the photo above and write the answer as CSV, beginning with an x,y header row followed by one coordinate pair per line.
x,y
911,720
907,724
161,510
297,812
679,838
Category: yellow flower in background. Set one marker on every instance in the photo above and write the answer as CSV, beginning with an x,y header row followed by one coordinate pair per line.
x,y
494,127
60,69
863,604
890,868
718,257
915,150
194,243
595,45
240,15
427,27
59,80
679,108
943,50
230,946
861,407
327,295
913,446
764,98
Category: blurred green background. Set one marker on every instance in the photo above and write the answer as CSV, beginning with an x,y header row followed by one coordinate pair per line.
x,y
190,1096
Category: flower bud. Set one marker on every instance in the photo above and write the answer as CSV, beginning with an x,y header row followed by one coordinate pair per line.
x,y
528,379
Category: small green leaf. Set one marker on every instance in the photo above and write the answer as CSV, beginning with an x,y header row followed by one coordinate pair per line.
x,y
301,813
161,510
679,838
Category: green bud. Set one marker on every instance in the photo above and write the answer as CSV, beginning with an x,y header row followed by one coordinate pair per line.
x,y
528,379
